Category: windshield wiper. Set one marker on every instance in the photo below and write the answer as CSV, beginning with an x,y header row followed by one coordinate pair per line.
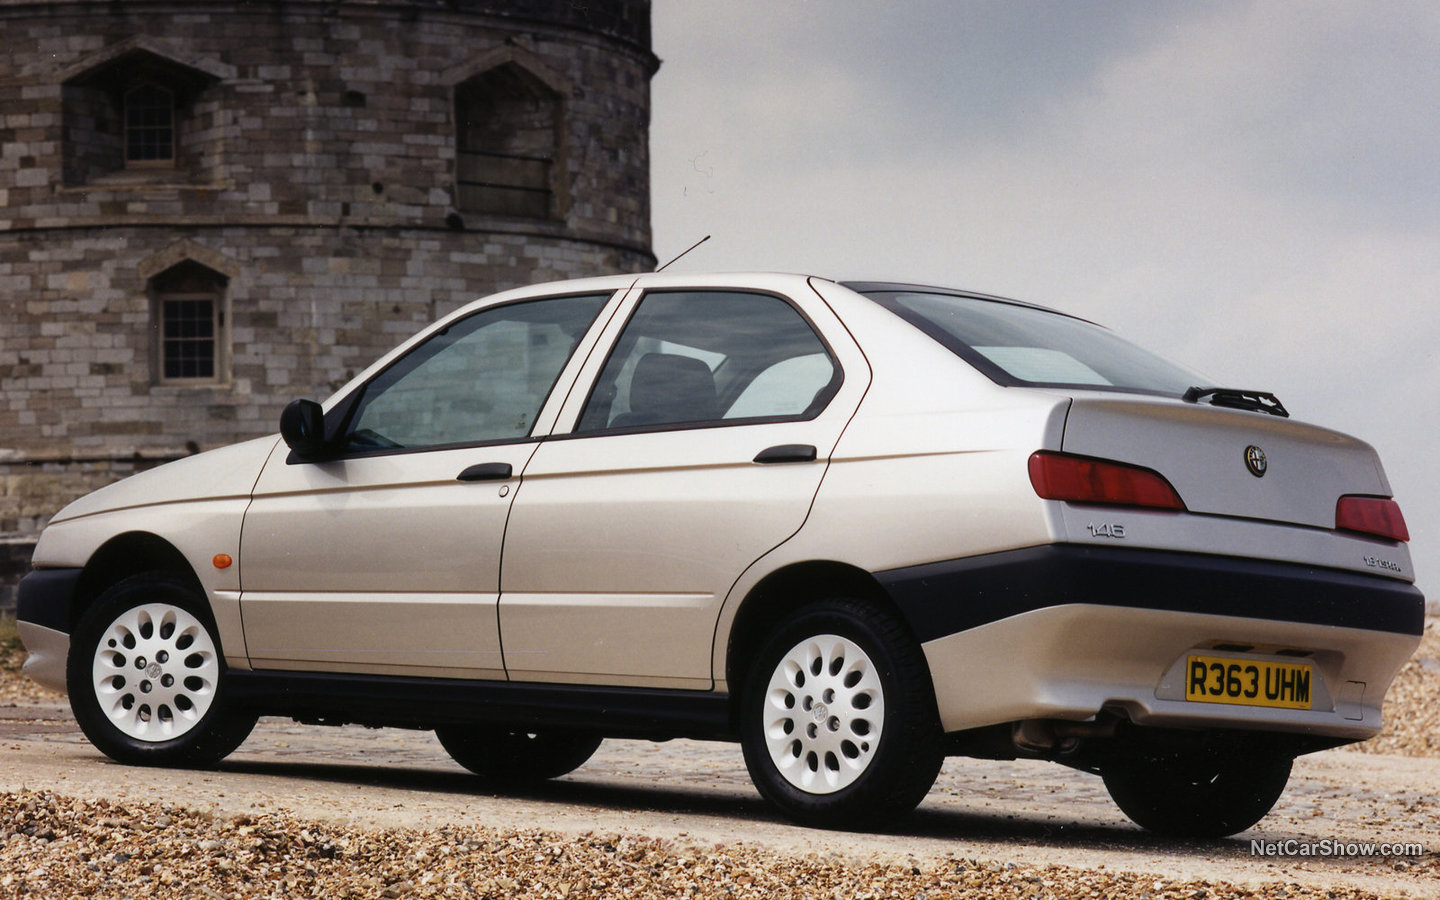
x,y
1232,398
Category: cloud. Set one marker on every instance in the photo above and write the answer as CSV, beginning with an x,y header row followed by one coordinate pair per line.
x,y
1324,101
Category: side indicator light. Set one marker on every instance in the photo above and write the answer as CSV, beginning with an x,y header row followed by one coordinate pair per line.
x,y
1080,479
1375,516
222,561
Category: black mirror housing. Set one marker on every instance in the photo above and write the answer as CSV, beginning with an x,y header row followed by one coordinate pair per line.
x,y
302,425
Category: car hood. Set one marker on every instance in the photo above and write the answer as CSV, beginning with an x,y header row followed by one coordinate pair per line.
x,y
226,472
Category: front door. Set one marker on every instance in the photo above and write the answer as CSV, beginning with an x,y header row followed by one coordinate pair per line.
x,y
386,557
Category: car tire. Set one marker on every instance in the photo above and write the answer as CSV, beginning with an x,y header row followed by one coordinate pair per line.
x,y
1211,790
838,720
500,755
146,676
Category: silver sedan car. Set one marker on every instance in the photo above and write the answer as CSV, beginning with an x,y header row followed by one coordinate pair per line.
x,y
854,527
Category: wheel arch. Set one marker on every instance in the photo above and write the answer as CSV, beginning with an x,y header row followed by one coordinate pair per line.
x,y
781,593
130,554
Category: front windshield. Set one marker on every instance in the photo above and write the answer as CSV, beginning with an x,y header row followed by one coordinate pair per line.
x,y
1015,344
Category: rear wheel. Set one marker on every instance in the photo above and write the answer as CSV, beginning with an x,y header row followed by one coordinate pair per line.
x,y
146,676
1205,788
838,719
502,755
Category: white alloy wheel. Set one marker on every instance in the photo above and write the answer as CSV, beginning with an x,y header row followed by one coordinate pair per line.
x,y
155,671
823,713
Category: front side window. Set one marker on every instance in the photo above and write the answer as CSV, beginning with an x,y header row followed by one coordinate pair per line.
x,y
482,379
712,357
1016,344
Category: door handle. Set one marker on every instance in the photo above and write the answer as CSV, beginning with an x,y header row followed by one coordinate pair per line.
x,y
485,472
784,453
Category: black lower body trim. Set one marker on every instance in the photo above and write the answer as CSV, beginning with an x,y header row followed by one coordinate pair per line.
x,y
428,702
45,597
939,599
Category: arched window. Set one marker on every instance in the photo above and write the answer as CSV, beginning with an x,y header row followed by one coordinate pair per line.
x,y
507,139
134,114
149,126
190,320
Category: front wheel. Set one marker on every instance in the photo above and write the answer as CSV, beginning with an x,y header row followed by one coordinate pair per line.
x,y
838,719
146,677
1200,789
498,754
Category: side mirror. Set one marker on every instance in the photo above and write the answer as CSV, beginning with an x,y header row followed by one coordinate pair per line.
x,y
302,425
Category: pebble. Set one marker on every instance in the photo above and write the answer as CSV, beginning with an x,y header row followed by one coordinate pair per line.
x,y
268,855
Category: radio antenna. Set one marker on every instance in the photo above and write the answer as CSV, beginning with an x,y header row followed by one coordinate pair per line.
x,y
685,251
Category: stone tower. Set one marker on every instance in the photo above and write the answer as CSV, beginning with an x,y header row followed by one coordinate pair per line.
x,y
211,207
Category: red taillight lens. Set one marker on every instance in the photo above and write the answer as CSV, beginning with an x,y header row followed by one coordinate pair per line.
x,y
1078,479
1376,516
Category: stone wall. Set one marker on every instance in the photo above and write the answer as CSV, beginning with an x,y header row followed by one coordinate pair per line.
x,y
314,176
308,119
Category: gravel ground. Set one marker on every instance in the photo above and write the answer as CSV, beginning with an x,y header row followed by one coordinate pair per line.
x,y
64,844
58,846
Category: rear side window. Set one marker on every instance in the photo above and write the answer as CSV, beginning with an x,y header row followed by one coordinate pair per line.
x,y
712,357
1015,344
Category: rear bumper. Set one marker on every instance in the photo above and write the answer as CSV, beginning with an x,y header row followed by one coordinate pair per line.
x,y
43,616
948,597
1067,632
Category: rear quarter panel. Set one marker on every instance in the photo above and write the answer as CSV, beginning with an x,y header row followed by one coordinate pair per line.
x,y
931,467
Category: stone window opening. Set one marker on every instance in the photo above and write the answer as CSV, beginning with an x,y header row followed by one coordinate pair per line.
x,y
149,126
188,310
133,116
507,144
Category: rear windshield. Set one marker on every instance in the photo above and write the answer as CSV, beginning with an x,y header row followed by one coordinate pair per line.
x,y
1016,344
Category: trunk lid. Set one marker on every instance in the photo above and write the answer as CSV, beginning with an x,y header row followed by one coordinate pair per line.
x,y
1202,450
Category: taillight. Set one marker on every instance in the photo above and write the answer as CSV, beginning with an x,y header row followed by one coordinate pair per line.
x,y
1375,516
1078,479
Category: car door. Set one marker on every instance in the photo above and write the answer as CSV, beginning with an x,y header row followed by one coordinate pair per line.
x,y
385,557
697,447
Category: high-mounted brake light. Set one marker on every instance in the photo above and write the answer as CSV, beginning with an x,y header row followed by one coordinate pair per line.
x,y
1375,516
1079,479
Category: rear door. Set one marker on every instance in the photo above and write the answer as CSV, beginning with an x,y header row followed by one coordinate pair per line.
x,y
695,446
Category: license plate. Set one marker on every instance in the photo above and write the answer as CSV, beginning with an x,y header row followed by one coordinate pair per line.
x,y
1248,682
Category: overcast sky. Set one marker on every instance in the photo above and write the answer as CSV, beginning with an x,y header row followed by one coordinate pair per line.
x,y
1252,189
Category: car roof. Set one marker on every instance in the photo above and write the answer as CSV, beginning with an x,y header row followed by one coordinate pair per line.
x,y
652,280
867,287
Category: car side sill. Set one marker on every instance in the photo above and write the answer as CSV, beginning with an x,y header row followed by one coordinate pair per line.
x,y
376,700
